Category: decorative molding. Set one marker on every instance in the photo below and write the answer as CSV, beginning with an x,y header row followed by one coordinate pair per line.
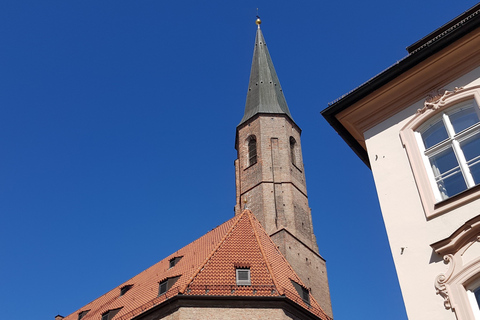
x,y
462,275
468,245
436,99
442,279
436,103
460,240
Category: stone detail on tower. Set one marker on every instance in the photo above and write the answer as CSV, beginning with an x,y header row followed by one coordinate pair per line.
x,y
273,187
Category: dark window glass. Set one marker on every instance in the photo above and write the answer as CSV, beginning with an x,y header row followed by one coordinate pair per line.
x,y
252,151
243,277
166,285
174,261
293,155
124,289
302,292
477,296
163,287
82,314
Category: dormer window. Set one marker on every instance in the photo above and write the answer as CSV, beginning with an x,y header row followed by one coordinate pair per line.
x,y
302,292
82,314
110,314
174,261
124,289
166,284
243,277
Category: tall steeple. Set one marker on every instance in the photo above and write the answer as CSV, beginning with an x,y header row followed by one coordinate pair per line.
x,y
270,177
265,94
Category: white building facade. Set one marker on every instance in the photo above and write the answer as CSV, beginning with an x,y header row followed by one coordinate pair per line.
x,y
417,125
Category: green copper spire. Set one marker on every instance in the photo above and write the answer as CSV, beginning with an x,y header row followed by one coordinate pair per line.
x,y
264,91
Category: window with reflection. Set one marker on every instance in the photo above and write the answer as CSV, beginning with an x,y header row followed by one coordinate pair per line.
x,y
451,147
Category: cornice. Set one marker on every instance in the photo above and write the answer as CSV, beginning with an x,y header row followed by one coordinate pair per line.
x,y
405,83
459,238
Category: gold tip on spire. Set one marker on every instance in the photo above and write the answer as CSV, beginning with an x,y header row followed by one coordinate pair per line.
x,y
258,22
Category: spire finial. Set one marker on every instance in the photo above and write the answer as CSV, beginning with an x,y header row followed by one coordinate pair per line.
x,y
245,204
258,22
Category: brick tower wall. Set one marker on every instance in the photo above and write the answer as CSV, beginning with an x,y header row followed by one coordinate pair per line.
x,y
275,191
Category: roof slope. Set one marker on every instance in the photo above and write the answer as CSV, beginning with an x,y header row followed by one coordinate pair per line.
x,y
207,268
264,94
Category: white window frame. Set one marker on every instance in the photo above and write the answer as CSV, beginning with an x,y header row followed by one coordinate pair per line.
x,y
473,301
454,140
243,282
430,196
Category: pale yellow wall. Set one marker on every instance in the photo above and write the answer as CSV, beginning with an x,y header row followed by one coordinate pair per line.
x,y
404,217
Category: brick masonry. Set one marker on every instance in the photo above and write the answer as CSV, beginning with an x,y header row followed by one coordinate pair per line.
x,y
275,191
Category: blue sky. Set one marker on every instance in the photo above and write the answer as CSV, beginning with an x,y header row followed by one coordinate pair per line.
x,y
117,126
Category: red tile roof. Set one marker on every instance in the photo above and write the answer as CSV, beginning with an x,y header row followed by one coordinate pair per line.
x,y
207,267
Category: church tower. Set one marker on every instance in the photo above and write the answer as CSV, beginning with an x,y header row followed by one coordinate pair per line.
x,y
270,177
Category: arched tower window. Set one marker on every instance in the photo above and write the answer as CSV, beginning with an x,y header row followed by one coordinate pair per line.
x,y
293,146
252,150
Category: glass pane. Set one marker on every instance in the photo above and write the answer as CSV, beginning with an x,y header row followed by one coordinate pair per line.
x,y
434,134
471,147
471,150
464,118
452,185
477,296
443,162
475,171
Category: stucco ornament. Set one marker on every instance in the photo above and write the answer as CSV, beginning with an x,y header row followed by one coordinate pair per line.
x,y
437,99
441,280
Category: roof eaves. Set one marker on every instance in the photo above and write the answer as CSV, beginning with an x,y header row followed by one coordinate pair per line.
x,y
442,40
447,27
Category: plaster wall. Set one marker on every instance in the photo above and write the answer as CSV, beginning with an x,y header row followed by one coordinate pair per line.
x,y
409,231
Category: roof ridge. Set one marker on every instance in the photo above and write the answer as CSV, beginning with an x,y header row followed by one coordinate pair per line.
x,y
185,286
250,218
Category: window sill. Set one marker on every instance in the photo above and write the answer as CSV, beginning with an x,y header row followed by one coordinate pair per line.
x,y
297,167
455,201
250,166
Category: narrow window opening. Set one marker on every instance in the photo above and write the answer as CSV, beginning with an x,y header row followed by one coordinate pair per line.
x,y
243,277
293,152
252,150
